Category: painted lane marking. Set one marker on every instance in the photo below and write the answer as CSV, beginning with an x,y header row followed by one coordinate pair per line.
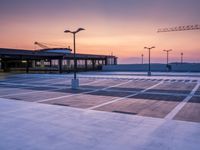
x,y
157,93
97,81
31,92
122,98
46,80
50,99
46,85
29,85
14,79
173,113
30,82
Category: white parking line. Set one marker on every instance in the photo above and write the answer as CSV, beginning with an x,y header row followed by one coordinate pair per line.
x,y
14,79
47,80
29,85
97,81
128,96
30,82
173,113
50,99
31,92
157,93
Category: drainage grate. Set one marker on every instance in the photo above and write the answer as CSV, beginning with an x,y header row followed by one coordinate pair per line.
x,y
180,80
60,104
16,98
125,112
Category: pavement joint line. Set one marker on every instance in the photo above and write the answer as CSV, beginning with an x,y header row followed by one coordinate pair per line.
x,y
18,79
46,80
97,81
40,91
117,85
173,113
96,90
30,85
46,85
7,88
156,93
26,84
122,98
31,92
162,93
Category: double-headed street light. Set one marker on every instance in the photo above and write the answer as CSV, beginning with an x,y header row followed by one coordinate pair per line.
x,y
75,81
149,48
167,51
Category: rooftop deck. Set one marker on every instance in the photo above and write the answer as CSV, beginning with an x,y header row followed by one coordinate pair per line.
x,y
109,111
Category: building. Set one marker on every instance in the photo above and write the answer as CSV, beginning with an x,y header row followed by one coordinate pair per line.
x,y
51,60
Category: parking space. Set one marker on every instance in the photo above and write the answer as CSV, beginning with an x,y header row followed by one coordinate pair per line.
x,y
135,85
104,84
35,96
88,99
144,105
191,111
67,81
174,87
198,92
134,96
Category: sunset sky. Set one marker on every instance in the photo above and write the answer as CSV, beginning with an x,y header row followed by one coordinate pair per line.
x,y
121,27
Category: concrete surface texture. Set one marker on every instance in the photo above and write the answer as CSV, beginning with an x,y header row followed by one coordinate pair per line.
x,y
109,111
35,126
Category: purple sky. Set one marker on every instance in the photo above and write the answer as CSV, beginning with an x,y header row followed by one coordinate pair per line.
x,y
123,27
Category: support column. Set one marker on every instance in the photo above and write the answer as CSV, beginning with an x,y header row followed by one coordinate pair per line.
x,y
50,65
115,61
86,64
3,65
27,66
42,63
33,63
106,61
93,64
60,65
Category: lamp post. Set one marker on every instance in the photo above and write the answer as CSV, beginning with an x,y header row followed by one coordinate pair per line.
x,y
75,81
142,59
167,51
149,70
181,58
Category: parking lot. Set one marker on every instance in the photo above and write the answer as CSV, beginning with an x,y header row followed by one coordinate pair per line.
x,y
158,97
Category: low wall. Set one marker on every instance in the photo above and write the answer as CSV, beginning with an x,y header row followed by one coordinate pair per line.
x,y
154,67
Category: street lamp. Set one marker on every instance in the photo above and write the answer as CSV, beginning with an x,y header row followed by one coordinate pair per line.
x,y
167,51
149,48
142,59
75,81
181,58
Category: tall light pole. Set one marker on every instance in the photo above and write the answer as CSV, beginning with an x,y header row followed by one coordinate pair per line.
x,y
149,48
167,51
181,58
75,81
142,58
